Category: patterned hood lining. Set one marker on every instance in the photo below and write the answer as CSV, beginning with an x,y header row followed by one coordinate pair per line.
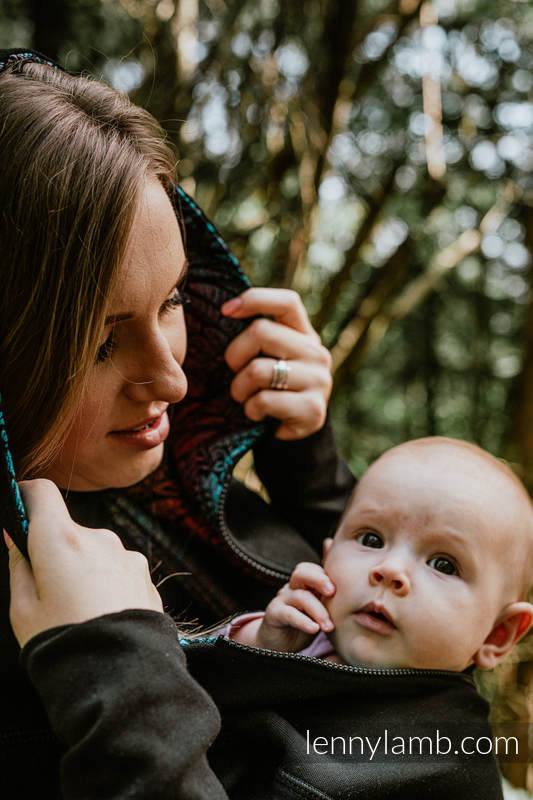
x,y
210,430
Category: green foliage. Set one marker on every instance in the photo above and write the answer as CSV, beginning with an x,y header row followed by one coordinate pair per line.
x,y
301,129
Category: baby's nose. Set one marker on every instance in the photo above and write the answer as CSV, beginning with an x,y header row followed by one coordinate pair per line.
x,y
392,576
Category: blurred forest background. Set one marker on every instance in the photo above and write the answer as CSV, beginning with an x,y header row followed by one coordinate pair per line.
x,y
374,155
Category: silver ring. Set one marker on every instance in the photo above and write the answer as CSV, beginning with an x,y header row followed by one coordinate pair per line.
x,y
280,375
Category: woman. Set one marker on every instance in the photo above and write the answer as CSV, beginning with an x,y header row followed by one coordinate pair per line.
x,y
94,351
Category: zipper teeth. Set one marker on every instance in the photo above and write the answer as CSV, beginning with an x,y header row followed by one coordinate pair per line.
x,y
360,670
230,541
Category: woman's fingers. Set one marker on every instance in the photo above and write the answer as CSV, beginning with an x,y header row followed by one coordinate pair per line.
x,y
21,578
45,509
76,573
259,374
268,338
298,397
300,413
283,304
301,407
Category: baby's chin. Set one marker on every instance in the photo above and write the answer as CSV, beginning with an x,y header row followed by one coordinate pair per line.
x,y
358,653
344,655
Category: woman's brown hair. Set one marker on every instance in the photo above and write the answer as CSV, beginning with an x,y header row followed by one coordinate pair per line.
x,y
75,156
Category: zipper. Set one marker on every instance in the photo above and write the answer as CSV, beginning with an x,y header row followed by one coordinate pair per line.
x,y
235,548
385,672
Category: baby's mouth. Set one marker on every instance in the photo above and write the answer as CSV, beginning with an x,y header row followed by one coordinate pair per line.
x,y
375,617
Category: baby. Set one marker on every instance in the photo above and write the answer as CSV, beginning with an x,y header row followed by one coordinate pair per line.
x,y
428,575
430,568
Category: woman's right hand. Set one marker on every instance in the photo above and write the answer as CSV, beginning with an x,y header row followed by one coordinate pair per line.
x,y
75,574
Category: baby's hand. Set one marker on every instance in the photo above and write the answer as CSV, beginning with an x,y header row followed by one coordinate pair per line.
x,y
295,615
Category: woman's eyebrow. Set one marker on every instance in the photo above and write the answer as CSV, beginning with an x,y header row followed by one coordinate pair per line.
x,y
113,318
116,318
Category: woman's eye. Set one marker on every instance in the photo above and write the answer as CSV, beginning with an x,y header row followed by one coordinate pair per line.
x,y
442,564
370,539
106,349
178,298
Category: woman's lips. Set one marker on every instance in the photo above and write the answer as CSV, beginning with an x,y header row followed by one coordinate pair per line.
x,y
148,437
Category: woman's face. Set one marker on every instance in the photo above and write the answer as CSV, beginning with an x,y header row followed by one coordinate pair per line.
x,y
118,432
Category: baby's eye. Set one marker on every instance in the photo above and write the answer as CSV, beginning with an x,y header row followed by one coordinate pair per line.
x,y
442,564
369,539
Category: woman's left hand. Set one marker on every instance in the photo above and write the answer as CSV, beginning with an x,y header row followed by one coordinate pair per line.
x,y
284,334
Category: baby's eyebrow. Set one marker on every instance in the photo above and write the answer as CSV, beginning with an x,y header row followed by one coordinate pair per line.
x,y
446,537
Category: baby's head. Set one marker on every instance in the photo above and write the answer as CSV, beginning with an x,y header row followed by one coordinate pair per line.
x,y
432,560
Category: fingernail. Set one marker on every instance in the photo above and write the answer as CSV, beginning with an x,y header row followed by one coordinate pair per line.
x,y
329,587
8,540
231,305
328,626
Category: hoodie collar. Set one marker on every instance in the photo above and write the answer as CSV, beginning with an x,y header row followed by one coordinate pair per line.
x,y
21,54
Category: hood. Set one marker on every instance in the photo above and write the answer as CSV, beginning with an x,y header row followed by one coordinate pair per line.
x,y
210,432
19,54
13,516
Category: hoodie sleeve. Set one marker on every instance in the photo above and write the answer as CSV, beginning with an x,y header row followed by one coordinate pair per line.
x,y
308,483
119,696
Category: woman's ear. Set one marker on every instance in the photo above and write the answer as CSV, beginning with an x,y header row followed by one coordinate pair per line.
x,y
514,622
326,547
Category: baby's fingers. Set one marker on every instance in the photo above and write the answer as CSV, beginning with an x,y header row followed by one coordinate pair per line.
x,y
307,575
281,616
306,602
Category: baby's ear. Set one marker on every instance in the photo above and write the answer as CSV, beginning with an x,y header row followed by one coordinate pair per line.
x,y
326,547
514,622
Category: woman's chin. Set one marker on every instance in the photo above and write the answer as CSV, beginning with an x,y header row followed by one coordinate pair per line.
x,y
111,473
136,470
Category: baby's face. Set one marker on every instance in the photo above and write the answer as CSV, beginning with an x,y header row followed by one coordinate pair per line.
x,y
421,562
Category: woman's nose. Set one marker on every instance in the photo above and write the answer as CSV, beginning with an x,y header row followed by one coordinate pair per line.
x,y
156,375
391,575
